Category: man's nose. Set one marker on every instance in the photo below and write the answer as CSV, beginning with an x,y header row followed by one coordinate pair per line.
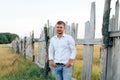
x,y
59,28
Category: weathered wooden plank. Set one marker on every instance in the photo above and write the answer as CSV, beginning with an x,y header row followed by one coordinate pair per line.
x,y
54,31
50,33
67,29
103,54
76,33
114,34
105,25
28,50
32,45
112,24
105,33
15,45
116,55
83,41
89,49
110,53
117,15
41,40
20,46
73,31
41,57
24,47
85,55
40,60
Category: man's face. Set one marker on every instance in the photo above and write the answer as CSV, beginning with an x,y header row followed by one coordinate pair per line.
x,y
60,28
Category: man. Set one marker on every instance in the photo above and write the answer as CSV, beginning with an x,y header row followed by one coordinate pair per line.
x,y
62,53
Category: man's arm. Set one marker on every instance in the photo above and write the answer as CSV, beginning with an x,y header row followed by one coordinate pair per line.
x,y
73,52
51,52
70,62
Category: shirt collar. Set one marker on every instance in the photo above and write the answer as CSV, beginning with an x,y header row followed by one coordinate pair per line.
x,y
62,36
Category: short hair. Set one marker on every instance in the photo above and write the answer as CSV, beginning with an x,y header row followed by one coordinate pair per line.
x,y
61,22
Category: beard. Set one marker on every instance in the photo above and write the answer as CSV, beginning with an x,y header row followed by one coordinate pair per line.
x,y
59,32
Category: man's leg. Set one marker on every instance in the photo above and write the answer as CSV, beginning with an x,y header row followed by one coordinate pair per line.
x,y
67,73
58,72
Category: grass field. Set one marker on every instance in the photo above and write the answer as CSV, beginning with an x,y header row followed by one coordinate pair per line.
x,y
24,69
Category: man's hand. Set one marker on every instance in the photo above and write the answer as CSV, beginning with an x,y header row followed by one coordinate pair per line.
x,y
70,62
52,63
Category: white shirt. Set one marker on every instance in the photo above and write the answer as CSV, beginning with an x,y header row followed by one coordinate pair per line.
x,y
62,49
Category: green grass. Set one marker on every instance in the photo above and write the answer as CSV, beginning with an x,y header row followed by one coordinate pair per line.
x,y
27,72
23,69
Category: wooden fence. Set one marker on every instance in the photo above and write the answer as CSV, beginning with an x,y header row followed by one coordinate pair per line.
x,y
110,50
25,46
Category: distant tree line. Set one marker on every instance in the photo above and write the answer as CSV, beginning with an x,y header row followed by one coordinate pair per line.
x,y
6,38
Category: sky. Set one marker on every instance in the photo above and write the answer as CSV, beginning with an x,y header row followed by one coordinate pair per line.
x,y
23,16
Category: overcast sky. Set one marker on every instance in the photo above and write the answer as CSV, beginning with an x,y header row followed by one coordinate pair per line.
x,y
23,16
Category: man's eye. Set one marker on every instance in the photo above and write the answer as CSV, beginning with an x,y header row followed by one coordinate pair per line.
x,y
59,27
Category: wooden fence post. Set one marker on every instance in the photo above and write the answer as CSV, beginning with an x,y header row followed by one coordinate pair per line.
x,y
116,54
73,31
46,68
42,51
33,46
105,45
89,48
110,53
67,29
85,55
21,42
17,46
25,47
103,55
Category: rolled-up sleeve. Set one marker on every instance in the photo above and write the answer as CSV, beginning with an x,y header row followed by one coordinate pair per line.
x,y
51,50
72,48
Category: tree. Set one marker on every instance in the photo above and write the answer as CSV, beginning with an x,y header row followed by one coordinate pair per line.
x,y
3,39
6,38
